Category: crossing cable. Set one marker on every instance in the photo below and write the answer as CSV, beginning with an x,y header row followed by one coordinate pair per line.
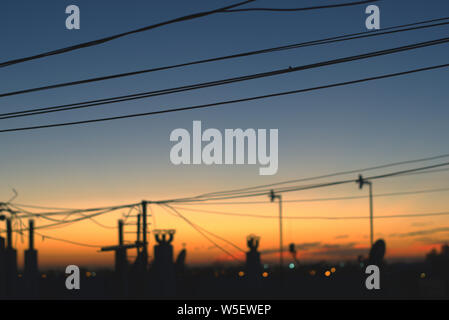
x,y
102,210
335,39
157,25
380,195
59,223
44,236
200,231
407,171
441,156
248,215
227,102
98,211
267,190
302,187
72,211
336,5
148,94
136,206
121,35
382,176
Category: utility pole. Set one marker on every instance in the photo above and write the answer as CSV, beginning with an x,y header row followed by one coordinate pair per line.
x,y
144,235
120,250
273,197
120,232
8,234
2,262
138,228
31,234
361,182
121,262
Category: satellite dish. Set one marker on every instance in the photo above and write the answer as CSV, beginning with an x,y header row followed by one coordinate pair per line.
x,y
181,259
377,252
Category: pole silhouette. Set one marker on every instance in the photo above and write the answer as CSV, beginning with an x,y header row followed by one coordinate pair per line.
x,y
273,197
144,235
361,182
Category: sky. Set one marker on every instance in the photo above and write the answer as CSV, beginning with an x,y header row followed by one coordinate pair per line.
x,y
126,161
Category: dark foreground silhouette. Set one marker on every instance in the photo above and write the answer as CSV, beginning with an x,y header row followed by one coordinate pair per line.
x,y
169,278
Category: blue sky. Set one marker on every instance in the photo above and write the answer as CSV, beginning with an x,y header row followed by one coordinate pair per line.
x,y
319,132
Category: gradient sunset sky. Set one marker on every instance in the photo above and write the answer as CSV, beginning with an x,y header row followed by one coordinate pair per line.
x,y
126,161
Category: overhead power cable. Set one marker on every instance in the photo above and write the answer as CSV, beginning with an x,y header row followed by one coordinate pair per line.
x,y
227,102
301,187
267,190
20,206
403,172
429,171
70,211
186,201
60,222
380,195
370,178
160,24
222,239
345,37
120,35
341,173
44,236
98,223
248,215
45,208
336,5
98,211
200,232
148,94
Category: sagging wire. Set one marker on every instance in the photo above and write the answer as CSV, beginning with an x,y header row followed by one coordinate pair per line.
x,y
203,233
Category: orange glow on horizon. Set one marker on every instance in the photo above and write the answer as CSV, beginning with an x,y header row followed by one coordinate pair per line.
x,y
316,240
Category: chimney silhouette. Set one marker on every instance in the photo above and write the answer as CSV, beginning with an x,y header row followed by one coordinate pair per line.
x,y
10,263
2,268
